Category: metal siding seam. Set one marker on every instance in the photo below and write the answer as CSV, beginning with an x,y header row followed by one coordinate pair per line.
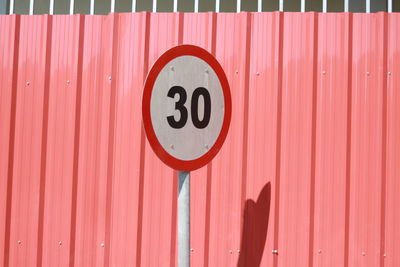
x,y
348,144
393,145
209,165
245,122
111,138
44,140
313,142
12,140
384,138
29,115
142,148
278,136
208,211
76,141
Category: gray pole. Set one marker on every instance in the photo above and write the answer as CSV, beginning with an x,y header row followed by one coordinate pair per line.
x,y
184,219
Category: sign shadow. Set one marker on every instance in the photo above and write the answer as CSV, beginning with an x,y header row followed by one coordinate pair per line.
x,y
255,228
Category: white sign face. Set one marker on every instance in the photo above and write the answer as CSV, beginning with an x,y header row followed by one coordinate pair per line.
x,y
186,107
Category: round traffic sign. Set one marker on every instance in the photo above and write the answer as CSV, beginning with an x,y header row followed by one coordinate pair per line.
x,y
186,107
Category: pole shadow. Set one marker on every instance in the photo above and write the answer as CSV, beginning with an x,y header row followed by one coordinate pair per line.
x,y
255,228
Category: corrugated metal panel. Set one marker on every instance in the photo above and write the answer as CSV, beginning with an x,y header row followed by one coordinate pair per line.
x,y
332,138
310,168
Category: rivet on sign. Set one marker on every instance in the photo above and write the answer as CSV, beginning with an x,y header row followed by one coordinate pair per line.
x,y
192,249
389,73
171,146
319,251
19,241
172,68
68,81
323,72
206,71
109,78
102,244
368,73
206,146
363,253
384,255
238,251
236,71
230,251
28,83
275,251
258,74
60,243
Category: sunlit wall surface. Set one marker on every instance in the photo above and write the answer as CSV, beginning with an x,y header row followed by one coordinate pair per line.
x,y
308,175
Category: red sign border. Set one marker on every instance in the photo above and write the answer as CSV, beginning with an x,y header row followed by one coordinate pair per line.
x,y
164,59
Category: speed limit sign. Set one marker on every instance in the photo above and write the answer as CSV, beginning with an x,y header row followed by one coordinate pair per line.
x,y
186,107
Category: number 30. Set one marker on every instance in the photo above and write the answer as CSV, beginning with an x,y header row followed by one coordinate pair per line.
x,y
180,105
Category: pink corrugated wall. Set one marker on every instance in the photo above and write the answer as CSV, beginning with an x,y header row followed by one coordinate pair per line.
x,y
309,174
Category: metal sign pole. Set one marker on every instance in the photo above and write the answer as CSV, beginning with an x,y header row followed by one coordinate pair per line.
x,y
199,81
184,219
